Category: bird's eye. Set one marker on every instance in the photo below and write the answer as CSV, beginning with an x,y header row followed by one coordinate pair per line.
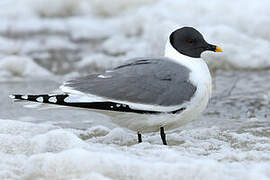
x,y
190,41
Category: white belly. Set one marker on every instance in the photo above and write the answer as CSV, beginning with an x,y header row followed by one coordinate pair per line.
x,y
200,76
152,123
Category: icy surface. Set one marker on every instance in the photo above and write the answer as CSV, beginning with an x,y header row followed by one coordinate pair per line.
x,y
36,151
230,140
22,67
58,39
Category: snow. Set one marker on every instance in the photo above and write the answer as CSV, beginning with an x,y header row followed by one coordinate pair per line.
x,y
51,8
88,36
22,67
72,143
33,151
44,38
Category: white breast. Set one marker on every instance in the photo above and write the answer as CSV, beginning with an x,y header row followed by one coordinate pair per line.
x,y
200,77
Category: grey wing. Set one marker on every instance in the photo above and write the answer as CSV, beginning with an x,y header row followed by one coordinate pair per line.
x,y
145,81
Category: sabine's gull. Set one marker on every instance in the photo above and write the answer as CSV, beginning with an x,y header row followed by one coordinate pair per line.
x,y
161,93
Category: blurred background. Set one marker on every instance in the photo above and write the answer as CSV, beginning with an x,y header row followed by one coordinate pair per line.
x,y
71,37
44,42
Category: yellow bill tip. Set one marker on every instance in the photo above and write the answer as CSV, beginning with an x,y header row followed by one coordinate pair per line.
x,y
218,49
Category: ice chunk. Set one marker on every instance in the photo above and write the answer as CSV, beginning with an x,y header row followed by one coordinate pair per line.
x,y
22,66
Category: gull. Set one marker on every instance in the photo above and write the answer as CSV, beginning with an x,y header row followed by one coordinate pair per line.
x,y
147,94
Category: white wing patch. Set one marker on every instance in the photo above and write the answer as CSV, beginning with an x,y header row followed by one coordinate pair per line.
x,y
40,99
52,99
104,76
25,97
12,96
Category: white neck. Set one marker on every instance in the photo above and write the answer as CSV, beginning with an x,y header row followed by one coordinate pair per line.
x,y
198,67
176,56
199,76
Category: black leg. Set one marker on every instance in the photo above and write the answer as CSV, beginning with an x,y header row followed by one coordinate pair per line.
x,y
163,135
139,137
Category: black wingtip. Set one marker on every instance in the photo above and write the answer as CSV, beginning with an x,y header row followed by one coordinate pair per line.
x,y
60,100
18,96
41,98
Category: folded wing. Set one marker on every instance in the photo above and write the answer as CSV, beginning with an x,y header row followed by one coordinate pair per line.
x,y
160,82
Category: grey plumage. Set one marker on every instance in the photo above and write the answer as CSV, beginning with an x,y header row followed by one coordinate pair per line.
x,y
157,81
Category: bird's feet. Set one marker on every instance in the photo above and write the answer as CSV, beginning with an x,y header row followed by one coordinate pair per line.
x,y
163,135
139,137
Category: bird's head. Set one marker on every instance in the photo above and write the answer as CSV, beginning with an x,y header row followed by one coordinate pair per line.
x,y
190,42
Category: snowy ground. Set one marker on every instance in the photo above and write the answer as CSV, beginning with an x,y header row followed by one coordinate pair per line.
x,y
43,42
